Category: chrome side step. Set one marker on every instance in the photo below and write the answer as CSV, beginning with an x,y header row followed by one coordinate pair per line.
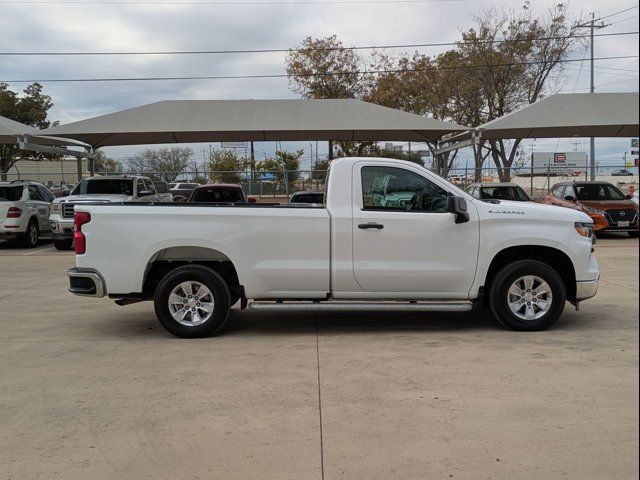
x,y
362,307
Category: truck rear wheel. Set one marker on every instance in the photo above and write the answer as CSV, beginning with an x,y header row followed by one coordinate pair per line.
x,y
527,295
192,301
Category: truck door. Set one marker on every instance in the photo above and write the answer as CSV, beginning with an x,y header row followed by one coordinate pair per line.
x,y
404,240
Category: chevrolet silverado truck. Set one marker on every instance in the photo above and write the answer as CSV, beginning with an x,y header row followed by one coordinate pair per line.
x,y
390,235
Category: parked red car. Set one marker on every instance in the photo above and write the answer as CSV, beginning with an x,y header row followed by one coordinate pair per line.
x,y
610,209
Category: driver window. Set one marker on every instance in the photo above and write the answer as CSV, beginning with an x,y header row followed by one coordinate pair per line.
x,y
139,186
569,191
557,191
34,193
390,188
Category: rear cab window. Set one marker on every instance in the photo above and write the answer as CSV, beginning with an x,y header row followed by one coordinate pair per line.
x,y
218,195
105,186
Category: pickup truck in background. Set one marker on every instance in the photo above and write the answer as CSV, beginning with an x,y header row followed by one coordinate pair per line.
x,y
106,189
219,193
390,236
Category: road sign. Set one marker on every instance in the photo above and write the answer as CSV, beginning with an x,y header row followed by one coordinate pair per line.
x,y
233,145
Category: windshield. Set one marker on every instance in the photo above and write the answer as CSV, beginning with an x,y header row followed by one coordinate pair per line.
x,y
504,193
107,186
10,194
599,191
216,194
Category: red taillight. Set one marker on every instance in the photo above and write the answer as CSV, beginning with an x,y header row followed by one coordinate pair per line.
x,y
14,212
79,219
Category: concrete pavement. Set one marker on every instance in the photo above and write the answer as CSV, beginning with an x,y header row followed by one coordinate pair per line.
x,y
92,390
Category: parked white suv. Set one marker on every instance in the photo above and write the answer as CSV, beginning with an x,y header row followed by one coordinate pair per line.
x,y
24,211
97,190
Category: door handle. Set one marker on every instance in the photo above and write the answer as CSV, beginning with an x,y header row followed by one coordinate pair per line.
x,y
365,226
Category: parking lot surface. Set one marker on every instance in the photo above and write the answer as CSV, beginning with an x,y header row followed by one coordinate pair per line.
x,y
91,390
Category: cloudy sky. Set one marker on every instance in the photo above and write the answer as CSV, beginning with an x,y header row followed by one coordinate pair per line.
x,y
146,25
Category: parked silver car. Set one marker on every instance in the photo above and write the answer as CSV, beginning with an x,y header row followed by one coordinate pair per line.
x,y
498,191
24,211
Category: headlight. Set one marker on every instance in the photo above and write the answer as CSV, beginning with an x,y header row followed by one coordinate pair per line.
x,y
594,210
584,229
54,208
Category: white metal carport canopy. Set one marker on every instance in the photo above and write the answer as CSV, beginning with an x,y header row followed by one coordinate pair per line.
x,y
193,121
560,116
570,115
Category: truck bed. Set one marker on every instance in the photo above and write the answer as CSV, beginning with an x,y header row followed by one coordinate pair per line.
x,y
284,247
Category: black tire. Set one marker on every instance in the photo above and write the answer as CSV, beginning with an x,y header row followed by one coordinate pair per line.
x,y
633,234
194,273
31,236
234,299
498,295
63,243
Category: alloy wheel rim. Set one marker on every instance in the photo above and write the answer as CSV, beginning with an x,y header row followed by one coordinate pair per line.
x,y
33,234
191,303
529,297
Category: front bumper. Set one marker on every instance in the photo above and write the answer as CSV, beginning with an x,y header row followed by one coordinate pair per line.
x,y
602,223
86,282
61,230
587,289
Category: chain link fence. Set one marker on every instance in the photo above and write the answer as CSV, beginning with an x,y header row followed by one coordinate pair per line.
x,y
270,185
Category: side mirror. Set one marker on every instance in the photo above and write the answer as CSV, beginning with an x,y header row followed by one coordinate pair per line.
x,y
251,200
570,198
458,206
630,196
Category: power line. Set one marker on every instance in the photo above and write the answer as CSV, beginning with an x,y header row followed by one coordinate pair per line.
x,y
284,75
619,81
624,20
286,50
619,12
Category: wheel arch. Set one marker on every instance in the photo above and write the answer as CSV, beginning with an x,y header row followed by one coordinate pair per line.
x,y
554,257
167,259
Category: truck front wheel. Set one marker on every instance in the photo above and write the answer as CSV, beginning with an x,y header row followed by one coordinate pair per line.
x,y
527,295
192,301
63,243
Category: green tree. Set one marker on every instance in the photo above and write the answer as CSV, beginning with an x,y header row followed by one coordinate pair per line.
x,y
226,166
319,170
30,108
104,164
283,161
161,164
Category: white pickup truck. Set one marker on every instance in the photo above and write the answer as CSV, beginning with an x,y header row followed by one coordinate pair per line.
x,y
390,236
102,189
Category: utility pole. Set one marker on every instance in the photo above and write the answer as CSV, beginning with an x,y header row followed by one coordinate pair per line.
x,y
252,164
592,141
